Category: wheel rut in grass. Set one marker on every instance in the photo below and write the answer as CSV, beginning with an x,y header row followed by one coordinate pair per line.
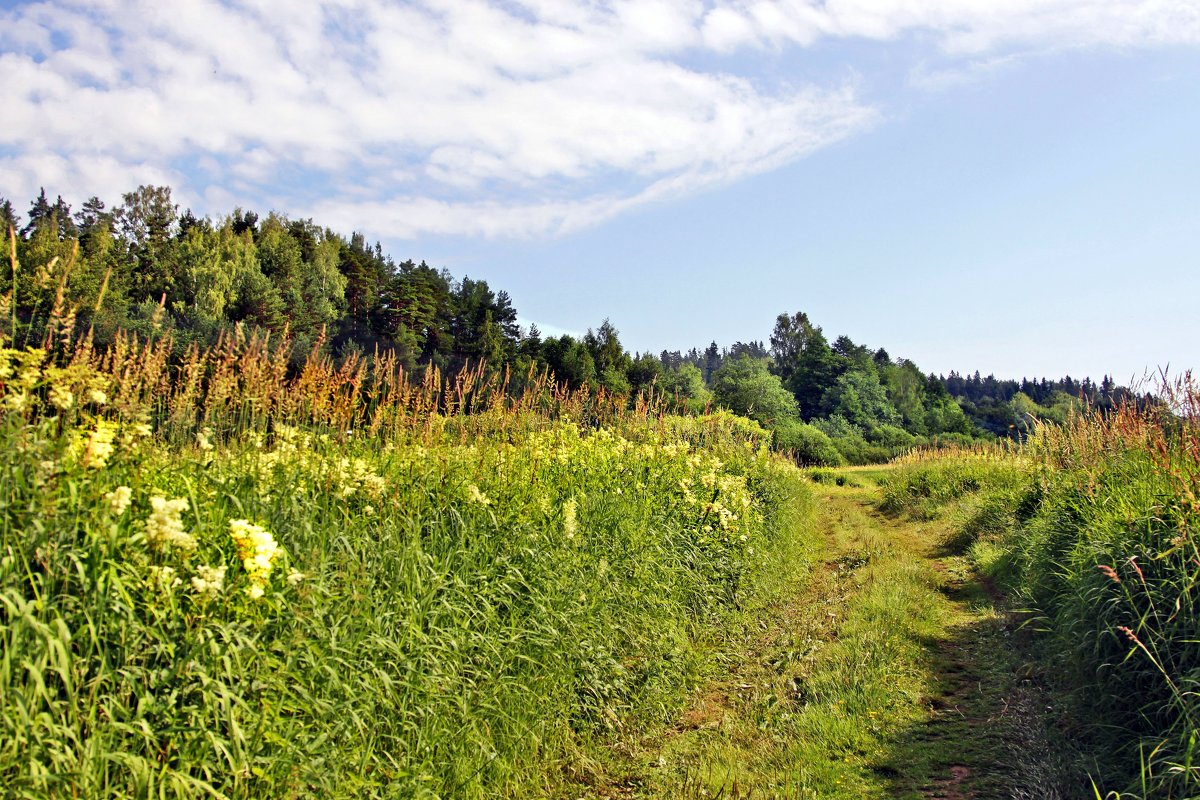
x,y
880,668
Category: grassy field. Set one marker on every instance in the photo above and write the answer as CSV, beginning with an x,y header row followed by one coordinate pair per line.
x,y
1092,530
225,576
875,665
210,590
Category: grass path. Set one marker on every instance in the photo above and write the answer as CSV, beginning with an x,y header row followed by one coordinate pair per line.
x,y
876,667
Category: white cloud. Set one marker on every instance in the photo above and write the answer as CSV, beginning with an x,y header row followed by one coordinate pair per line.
x,y
973,27
464,116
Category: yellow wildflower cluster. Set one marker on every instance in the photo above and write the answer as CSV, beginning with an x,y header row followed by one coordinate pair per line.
x,y
570,523
20,371
258,550
476,496
61,397
289,442
164,526
93,448
136,432
355,476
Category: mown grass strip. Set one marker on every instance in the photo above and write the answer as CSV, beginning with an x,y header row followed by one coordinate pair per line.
x,y
881,672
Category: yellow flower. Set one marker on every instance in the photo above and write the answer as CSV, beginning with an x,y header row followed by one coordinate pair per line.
x,y
30,372
17,402
138,430
61,397
570,524
95,450
258,550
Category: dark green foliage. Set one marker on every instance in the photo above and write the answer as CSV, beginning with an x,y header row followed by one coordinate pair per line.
x,y
807,444
745,386
858,397
644,372
804,361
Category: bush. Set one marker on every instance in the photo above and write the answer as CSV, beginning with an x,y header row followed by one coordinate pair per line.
x,y
806,444
856,450
893,438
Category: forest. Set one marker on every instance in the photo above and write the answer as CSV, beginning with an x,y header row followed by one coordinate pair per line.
x,y
142,266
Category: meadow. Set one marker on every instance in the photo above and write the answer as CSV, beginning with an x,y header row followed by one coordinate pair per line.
x,y
243,570
224,578
1091,528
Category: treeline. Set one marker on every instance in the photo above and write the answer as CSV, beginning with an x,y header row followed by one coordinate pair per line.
x,y
144,266
1002,406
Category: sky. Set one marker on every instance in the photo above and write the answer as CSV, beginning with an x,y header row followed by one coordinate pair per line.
x,y
1006,187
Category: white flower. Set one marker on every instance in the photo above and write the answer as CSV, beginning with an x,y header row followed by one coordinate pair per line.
x,y
209,581
119,499
164,526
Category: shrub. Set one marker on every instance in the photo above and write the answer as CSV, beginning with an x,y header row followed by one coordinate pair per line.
x,y
806,444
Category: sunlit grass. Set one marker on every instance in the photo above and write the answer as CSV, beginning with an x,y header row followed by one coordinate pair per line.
x,y
1093,528
219,578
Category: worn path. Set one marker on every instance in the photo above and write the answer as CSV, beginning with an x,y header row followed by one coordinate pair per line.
x,y
879,667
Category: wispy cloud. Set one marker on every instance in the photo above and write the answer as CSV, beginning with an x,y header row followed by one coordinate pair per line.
x,y
462,116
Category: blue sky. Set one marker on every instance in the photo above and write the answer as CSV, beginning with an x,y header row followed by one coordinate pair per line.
x,y
1010,188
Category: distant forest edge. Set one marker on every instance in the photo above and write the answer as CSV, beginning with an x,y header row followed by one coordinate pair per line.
x,y
144,267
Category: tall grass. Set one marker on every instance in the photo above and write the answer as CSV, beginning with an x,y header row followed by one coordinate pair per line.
x,y
221,577
1098,539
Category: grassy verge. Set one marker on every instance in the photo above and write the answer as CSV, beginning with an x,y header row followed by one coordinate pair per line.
x,y
1092,530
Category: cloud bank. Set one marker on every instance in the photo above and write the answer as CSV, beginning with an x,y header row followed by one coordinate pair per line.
x,y
463,117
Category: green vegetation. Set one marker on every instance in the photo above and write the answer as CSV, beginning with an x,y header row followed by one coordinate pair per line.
x,y
210,591
1092,528
145,267
239,557
871,664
